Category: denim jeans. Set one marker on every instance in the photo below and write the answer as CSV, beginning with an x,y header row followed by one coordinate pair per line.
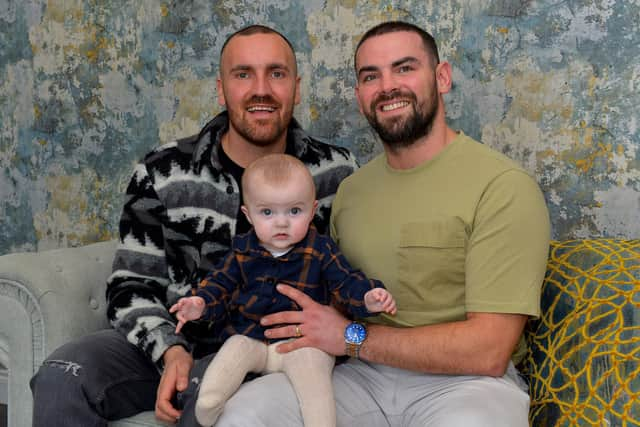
x,y
98,378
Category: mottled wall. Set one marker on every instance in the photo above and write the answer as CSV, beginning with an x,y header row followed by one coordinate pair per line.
x,y
88,86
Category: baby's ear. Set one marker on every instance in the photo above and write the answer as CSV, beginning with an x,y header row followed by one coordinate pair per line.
x,y
315,206
245,211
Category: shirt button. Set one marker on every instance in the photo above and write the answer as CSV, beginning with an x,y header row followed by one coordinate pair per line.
x,y
229,190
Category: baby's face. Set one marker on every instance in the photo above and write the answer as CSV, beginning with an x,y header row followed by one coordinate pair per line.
x,y
281,214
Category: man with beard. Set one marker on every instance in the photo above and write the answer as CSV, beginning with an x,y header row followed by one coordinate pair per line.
x,y
181,211
458,233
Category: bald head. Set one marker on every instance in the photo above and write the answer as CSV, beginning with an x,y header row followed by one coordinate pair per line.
x,y
257,29
276,170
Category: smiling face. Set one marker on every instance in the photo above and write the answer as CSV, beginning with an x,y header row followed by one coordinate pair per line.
x,y
259,86
397,89
279,201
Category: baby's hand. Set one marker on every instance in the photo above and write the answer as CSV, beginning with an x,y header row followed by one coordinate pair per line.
x,y
188,308
380,300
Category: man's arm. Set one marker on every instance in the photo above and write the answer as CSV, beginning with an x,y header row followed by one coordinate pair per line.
x,y
175,376
480,345
137,288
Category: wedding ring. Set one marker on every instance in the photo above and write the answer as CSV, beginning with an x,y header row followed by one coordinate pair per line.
x,y
298,331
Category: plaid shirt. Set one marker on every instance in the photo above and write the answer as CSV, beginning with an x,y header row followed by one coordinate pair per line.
x,y
243,287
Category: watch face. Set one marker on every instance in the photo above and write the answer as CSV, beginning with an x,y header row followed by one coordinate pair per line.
x,y
355,333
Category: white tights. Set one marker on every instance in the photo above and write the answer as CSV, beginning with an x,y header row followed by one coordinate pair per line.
x,y
309,370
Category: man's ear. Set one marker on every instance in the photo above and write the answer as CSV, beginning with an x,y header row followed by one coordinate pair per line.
x,y
245,211
221,100
296,100
444,77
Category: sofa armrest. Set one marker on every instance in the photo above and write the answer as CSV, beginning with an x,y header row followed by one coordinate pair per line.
x,y
47,299
583,359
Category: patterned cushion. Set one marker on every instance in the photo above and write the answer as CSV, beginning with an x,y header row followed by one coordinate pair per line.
x,y
584,351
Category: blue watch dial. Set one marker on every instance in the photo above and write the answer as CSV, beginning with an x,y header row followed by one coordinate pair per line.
x,y
355,333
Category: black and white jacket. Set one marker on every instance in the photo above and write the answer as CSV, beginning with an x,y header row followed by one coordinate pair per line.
x,y
178,219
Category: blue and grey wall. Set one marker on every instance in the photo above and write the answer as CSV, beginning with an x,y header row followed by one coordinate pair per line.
x,y
87,87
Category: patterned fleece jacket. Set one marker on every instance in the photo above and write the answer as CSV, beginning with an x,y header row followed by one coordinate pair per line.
x,y
177,222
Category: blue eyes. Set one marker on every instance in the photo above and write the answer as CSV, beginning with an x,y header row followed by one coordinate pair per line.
x,y
274,75
269,212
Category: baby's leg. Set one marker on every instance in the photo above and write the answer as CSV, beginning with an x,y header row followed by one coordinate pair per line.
x,y
238,356
309,371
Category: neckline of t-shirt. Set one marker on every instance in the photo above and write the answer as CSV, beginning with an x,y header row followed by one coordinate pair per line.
x,y
429,163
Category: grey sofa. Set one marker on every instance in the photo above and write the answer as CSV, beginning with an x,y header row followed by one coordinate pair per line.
x,y
46,299
588,328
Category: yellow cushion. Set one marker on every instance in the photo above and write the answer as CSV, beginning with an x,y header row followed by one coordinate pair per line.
x,y
584,351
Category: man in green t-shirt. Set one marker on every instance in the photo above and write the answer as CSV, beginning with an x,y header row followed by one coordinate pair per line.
x,y
458,233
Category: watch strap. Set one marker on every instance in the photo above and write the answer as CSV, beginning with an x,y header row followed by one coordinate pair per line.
x,y
353,350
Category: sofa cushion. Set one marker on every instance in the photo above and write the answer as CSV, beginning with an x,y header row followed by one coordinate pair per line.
x,y
583,363
144,419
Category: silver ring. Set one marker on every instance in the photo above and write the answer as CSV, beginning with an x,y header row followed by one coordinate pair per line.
x,y
298,331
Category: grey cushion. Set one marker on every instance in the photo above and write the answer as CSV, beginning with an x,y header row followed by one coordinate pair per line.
x,y
146,419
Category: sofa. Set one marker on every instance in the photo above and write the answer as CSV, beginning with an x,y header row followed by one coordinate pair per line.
x,y
583,363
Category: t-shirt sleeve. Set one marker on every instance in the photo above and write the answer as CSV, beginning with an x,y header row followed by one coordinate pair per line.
x,y
508,247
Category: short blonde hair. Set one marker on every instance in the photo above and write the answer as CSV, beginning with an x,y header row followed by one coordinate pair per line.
x,y
276,169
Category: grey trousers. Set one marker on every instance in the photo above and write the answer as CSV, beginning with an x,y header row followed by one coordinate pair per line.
x,y
374,395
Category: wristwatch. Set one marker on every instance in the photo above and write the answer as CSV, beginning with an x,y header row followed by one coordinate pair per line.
x,y
354,335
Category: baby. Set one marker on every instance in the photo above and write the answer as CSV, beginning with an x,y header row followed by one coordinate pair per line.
x,y
282,247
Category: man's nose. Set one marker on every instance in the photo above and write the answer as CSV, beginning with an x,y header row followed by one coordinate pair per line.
x,y
388,82
262,85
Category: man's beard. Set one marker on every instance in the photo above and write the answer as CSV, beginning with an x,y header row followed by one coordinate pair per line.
x,y
403,131
261,132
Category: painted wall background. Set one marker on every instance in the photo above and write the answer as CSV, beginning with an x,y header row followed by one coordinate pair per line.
x,y
88,86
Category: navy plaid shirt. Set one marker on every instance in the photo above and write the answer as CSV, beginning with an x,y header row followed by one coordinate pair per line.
x,y
242,288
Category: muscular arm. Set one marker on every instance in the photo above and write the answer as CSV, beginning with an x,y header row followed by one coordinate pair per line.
x,y
480,345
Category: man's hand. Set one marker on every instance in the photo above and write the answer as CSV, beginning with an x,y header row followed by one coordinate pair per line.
x,y
177,365
379,300
319,326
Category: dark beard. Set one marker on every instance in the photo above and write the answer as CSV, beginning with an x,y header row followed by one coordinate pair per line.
x,y
402,132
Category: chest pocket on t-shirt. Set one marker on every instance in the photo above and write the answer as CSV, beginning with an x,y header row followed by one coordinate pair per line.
x,y
431,257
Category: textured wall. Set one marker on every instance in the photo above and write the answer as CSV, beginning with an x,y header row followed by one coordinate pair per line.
x,y
88,86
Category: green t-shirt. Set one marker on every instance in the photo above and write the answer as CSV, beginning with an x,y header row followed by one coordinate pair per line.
x,y
467,231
